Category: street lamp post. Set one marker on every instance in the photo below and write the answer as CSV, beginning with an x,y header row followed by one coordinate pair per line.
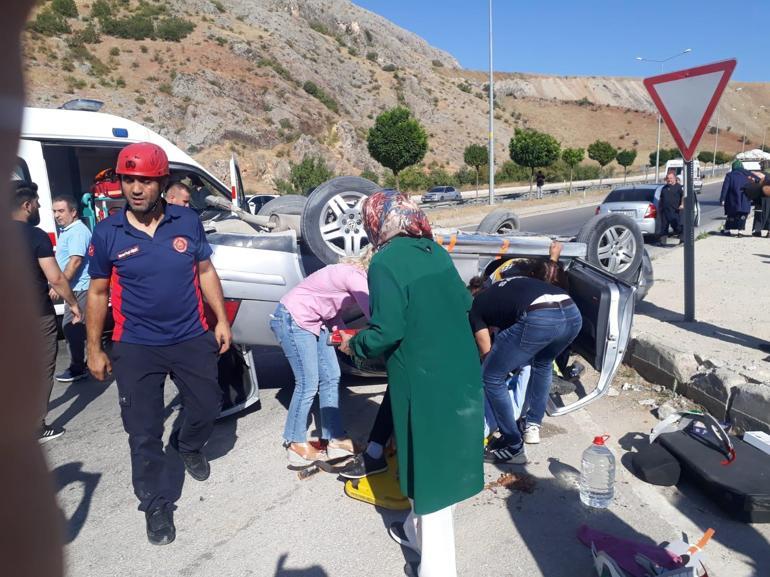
x,y
716,139
491,116
661,62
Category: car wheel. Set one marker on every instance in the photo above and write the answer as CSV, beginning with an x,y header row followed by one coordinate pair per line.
x,y
646,278
500,221
287,204
332,223
614,243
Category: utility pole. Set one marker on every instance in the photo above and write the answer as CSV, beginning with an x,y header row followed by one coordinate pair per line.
x,y
716,138
491,116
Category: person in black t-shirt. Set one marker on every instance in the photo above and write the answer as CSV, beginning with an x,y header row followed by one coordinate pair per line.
x,y
535,322
671,204
45,270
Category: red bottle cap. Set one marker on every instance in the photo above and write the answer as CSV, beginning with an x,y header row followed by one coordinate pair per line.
x,y
600,440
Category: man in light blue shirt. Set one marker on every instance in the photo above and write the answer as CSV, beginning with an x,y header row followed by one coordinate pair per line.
x,y
71,254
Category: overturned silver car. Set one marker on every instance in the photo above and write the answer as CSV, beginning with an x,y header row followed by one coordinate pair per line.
x,y
260,257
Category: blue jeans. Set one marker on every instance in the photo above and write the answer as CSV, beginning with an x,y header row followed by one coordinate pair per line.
x,y
517,391
536,339
316,372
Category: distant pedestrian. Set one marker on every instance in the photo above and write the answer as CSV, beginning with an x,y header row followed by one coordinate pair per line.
x,y
154,261
178,193
25,209
670,205
736,204
758,193
71,254
539,181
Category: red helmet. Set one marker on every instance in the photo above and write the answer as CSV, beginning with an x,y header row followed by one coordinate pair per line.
x,y
143,159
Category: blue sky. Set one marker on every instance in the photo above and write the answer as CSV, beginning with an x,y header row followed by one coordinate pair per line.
x,y
591,37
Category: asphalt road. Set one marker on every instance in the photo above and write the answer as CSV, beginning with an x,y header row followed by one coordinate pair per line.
x,y
255,518
568,222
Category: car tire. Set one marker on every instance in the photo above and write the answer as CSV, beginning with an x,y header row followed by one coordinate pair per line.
x,y
500,221
614,243
286,204
332,223
646,278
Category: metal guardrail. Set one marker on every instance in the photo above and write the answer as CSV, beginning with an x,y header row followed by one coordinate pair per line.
x,y
512,197
562,190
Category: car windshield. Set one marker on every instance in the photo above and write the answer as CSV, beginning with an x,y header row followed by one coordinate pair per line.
x,y
437,189
631,195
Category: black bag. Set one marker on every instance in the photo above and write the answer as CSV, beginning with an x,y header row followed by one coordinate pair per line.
x,y
741,488
654,465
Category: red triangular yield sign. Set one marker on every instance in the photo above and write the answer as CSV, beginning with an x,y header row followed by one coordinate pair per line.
x,y
686,99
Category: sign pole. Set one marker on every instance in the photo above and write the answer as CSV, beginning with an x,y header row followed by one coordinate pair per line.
x,y
686,100
689,244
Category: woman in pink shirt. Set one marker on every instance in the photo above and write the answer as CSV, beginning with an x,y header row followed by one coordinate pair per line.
x,y
301,324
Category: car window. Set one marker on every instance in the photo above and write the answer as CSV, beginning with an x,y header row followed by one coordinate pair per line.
x,y
435,189
631,195
201,185
20,171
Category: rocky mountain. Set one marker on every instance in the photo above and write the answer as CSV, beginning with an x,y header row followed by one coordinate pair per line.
x,y
276,80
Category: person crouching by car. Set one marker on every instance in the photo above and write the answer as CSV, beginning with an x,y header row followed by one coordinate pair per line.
x,y
420,324
536,321
153,260
301,324
530,400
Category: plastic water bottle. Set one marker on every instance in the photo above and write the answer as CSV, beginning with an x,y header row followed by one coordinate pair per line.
x,y
597,475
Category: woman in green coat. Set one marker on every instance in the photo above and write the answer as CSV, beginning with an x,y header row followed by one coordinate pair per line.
x,y
419,323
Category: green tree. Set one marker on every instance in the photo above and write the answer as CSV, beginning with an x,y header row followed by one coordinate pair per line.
x,y
533,149
625,158
397,140
722,157
305,176
476,156
572,157
66,8
706,157
49,23
370,175
101,9
602,152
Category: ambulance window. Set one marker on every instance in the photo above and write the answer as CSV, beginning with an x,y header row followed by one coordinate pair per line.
x,y
72,168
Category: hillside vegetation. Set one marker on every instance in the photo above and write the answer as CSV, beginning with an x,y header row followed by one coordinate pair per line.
x,y
278,81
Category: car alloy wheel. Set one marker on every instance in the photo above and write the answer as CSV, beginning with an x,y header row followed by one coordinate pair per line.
x,y
617,247
341,223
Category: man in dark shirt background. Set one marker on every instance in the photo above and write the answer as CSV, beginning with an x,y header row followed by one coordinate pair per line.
x,y
671,199
25,209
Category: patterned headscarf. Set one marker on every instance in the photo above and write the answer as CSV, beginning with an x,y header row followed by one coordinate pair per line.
x,y
389,213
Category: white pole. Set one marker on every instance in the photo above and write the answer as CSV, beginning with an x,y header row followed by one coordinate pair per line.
x,y
491,116
716,138
743,145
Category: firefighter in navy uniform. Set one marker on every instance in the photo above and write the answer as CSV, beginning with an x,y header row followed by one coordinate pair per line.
x,y
153,259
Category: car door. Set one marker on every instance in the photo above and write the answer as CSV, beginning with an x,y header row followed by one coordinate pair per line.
x,y
607,306
236,184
